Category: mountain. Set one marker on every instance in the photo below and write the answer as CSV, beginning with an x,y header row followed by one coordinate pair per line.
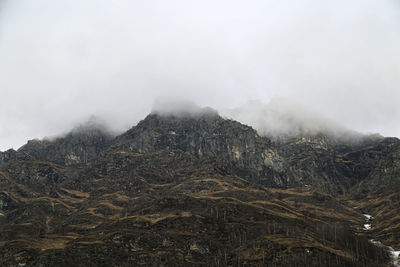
x,y
195,190
80,145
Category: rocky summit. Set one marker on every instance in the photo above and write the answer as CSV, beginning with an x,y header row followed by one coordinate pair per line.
x,y
200,190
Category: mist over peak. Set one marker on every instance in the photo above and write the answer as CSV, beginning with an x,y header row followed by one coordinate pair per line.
x,y
283,117
92,126
182,109
95,124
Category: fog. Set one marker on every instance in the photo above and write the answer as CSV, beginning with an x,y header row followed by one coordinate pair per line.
x,y
184,109
66,60
284,118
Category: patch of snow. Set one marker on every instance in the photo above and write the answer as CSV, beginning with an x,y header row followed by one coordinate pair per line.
x,y
393,254
369,217
377,243
395,257
367,226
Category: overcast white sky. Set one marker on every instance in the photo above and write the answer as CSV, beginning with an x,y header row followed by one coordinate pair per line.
x,y
62,61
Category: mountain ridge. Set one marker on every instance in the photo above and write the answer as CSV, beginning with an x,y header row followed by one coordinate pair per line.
x,y
198,190
252,155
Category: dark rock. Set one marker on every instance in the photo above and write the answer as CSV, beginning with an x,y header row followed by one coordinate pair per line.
x,y
78,147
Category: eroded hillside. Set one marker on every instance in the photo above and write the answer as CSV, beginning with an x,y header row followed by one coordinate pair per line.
x,y
199,191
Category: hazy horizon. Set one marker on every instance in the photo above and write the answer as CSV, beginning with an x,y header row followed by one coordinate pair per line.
x,y
64,61
279,118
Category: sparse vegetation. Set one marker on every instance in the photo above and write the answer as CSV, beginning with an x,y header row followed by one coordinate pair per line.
x,y
156,200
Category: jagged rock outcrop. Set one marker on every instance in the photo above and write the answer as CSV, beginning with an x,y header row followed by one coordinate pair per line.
x,y
333,164
79,146
386,167
207,135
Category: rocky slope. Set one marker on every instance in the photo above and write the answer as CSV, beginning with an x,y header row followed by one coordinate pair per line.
x,y
197,191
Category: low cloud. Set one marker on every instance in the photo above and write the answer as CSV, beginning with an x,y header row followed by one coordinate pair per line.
x,y
181,109
283,118
63,61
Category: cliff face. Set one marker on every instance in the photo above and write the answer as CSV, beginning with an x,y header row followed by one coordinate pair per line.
x,y
329,163
197,190
79,146
239,146
332,164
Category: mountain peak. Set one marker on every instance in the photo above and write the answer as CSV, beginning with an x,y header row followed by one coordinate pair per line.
x,y
182,110
172,121
78,146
